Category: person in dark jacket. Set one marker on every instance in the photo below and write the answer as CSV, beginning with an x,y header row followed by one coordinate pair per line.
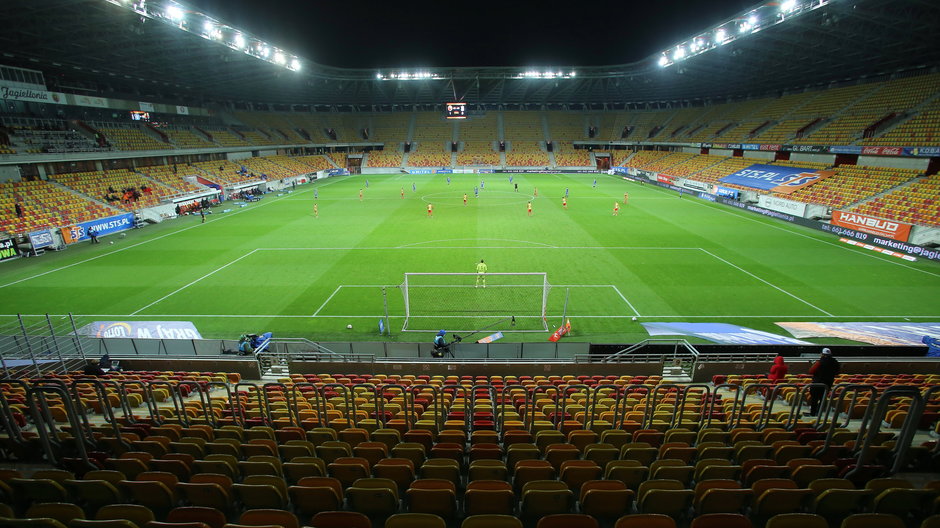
x,y
824,372
93,368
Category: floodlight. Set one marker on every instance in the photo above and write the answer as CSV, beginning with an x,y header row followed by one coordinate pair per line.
x,y
572,74
752,20
173,12
788,5
720,36
378,76
265,51
295,65
208,27
279,57
663,61
679,53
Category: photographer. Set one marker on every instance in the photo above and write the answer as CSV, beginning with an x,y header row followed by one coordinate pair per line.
x,y
440,345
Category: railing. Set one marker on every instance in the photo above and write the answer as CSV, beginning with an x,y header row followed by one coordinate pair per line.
x,y
64,429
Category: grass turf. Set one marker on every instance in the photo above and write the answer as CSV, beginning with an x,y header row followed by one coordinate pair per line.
x,y
273,266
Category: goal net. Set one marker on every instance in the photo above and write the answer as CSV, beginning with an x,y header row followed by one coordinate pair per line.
x,y
466,302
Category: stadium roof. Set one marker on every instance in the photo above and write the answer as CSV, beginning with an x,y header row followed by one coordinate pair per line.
x,y
99,47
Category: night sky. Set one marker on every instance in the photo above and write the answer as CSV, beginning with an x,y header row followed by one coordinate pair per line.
x,y
364,34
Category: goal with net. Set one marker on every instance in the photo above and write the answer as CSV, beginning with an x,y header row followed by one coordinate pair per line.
x,y
460,302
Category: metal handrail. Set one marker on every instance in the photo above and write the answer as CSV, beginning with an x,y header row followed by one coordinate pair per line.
x,y
647,342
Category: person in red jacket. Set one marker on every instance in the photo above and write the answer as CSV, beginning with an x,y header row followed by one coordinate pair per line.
x,y
778,372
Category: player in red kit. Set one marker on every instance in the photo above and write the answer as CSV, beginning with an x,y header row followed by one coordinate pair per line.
x,y
616,209
430,210
529,208
465,198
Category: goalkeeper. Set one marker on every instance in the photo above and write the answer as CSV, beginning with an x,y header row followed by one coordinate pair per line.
x,y
481,273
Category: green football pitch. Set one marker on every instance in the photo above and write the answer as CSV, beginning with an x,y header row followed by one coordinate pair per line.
x,y
274,266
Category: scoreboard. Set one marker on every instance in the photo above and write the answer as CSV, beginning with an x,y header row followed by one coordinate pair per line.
x,y
456,110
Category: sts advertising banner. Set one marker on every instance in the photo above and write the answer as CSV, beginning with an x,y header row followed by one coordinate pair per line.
x,y
869,224
885,334
725,334
141,329
104,226
783,180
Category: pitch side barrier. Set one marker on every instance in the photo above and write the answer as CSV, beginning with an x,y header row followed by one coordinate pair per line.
x,y
861,236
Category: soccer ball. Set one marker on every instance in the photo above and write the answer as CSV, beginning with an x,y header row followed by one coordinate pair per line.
x,y
634,318
112,242
349,327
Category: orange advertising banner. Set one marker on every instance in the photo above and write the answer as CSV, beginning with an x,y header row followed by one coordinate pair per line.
x,y
68,234
870,224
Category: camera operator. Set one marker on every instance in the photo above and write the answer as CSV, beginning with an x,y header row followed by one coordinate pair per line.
x,y
440,345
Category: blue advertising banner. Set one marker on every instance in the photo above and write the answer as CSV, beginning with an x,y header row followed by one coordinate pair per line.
x,y
725,334
927,152
337,172
885,334
443,171
778,179
41,239
103,226
845,149
726,192
141,329
420,171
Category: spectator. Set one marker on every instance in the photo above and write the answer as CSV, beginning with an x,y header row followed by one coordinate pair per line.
x,y
93,368
824,372
19,209
93,235
778,372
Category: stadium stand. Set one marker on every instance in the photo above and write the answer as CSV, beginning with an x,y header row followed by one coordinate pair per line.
x,y
526,154
130,137
852,184
477,153
668,161
185,138
385,158
693,164
922,130
432,137
175,179
276,126
131,191
569,450
44,205
32,135
725,167
642,158
567,156
226,137
566,126
222,172
916,203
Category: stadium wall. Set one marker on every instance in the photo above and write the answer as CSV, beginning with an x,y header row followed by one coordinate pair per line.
x,y
919,164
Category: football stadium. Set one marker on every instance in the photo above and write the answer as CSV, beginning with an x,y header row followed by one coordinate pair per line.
x,y
692,287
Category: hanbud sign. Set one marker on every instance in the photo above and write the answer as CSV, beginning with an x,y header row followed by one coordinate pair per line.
x,y
869,224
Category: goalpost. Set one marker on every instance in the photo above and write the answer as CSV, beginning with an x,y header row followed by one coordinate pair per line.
x,y
460,302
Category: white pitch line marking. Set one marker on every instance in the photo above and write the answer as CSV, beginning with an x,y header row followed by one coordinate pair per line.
x,y
174,292
616,289
181,230
784,227
338,288
774,286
